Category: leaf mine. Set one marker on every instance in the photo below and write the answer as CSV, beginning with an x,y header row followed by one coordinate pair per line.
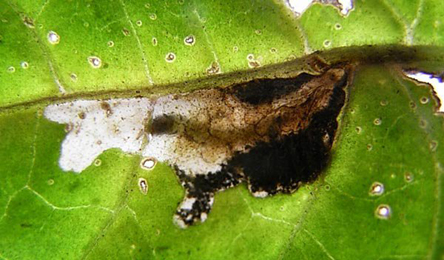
x,y
273,134
298,7
435,81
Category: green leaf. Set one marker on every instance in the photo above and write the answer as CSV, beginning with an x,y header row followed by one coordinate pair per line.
x,y
388,133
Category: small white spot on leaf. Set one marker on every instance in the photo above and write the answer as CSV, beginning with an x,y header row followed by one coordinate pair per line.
x,y
73,77
377,121
143,186
95,62
383,211
383,103
24,65
327,43
153,17
377,189
190,40
53,37
97,162
408,177
170,57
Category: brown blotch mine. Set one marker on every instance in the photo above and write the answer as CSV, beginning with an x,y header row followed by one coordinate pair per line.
x,y
275,133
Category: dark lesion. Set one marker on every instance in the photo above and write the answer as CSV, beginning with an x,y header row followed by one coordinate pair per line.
x,y
281,140
202,188
287,162
262,91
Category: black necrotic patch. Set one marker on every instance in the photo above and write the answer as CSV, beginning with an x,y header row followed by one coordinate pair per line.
x,y
286,162
281,165
202,188
265,90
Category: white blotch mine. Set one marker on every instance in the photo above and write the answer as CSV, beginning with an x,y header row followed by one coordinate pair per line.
x,y
95,126
383,211
298,7
11,69
346,6
53,37
198,133
162,147
157,129
377,189
93,129
435,81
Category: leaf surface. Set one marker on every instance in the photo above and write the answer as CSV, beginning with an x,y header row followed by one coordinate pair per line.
x,y
388,134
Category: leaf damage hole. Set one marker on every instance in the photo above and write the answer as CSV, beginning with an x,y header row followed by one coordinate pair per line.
x,y
273,134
